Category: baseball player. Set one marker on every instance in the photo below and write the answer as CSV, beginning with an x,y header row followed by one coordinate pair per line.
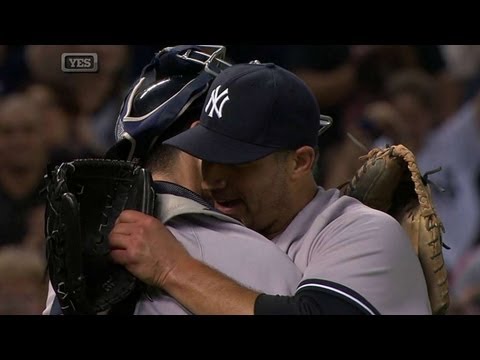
x,y
257,137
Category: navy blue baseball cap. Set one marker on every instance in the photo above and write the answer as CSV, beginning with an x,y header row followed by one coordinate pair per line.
x,y
252,110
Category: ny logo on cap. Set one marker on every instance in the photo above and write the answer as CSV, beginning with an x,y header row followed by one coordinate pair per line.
x,y
213,102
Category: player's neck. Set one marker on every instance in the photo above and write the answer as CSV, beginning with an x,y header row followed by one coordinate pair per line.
x,y
186,173
295,202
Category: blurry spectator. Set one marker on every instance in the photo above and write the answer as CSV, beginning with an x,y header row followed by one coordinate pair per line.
x,y
66,136
23,155
412,93
23,285
376,63
97,96
328,71
44,64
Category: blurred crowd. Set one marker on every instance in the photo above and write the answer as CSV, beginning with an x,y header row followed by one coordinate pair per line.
x,y
425,97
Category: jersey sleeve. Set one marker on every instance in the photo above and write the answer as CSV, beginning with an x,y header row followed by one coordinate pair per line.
x,y
367,259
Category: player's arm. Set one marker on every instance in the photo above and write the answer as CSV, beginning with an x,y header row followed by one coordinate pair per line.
x,y
204,290
151,252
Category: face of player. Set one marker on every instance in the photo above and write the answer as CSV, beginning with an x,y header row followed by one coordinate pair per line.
x,y
256,193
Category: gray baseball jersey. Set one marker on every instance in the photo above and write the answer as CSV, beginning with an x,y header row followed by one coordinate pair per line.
x,y
224,244
350,250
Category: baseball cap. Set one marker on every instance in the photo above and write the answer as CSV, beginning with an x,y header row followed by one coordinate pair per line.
x,y
252,110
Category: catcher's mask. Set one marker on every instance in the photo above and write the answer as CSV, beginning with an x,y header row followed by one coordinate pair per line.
x,y
176,79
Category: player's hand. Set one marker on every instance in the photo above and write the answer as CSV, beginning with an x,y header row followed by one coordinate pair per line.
x,y
145,247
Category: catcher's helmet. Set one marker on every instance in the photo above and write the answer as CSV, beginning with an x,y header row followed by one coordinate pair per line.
x,y
177,79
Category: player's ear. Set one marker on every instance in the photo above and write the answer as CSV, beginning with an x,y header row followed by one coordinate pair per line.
x,y
303,161
195,123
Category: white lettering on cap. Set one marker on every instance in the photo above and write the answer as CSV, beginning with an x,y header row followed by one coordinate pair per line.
x,y
213,101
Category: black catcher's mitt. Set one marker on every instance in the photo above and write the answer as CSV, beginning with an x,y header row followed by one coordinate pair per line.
x,y
85,197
